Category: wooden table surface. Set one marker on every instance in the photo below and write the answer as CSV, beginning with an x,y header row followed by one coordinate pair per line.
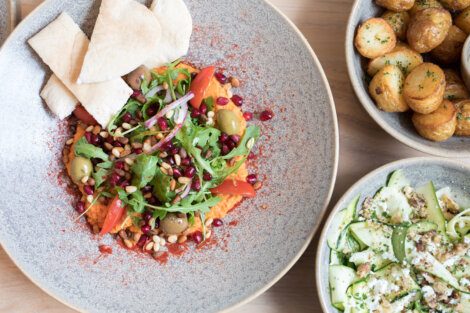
x,y
364,146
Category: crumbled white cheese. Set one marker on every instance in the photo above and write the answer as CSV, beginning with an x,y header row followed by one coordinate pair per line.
x,y
464,282
428,292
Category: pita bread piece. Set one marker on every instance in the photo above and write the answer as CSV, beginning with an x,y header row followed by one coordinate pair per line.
x,y
58,98
126,34
62,45
177,27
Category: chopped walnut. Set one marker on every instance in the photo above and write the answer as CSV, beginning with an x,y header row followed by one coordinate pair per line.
x,y
450,205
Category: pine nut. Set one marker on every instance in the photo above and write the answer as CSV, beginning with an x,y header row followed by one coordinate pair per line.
x,y
91,181
257,185
69,142
210,114
156,246
177,159
96,130
147,147
166,165
159,136
208,222
116,152
104,134
128,243
182,239
123,234
136,145
84,179
172,185
108,146
165,85
162,242
148,195
208,234
164,170
131,189
89,129
126,126
156,238
250,143
172,239
149,246
129,161
163,155
184,180
235,82
137,236
89,198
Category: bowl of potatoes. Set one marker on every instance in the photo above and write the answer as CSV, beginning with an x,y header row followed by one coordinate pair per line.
x,y
404,62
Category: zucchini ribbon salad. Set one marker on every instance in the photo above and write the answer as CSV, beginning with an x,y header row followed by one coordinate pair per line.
x,y
405,250
159,151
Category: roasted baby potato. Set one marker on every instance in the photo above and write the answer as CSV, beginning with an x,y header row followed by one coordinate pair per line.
x,y
455,88
401,56
399,22
424,88
396,5
374,38
424,4
456,5
463,118
428,29
386,89
463,21
439,125
450,49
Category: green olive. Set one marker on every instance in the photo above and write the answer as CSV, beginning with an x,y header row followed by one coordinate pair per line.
x,y
228,122
80,168
135,78
174,224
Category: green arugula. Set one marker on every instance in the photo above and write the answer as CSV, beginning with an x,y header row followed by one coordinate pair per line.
x,y
185,206
135,202
84,149
144,169
161,187
99,177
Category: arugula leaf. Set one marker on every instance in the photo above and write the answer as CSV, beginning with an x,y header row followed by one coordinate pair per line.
x,y
105,165
99,177
209,103
84,149
161,187
185,207
144,169
131,106
251,133
137,202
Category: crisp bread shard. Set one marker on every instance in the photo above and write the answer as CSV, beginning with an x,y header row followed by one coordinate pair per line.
x,y
62,45
58,98
126,34
177,26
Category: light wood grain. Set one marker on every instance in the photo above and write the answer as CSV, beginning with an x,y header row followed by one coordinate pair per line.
x,y
363,147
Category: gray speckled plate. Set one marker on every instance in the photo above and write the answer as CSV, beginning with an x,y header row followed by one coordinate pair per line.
x,y
397,125
7,16
278,69
442,172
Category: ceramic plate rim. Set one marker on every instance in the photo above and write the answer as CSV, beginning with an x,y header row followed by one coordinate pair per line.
x,y
323,209
370,107
322,240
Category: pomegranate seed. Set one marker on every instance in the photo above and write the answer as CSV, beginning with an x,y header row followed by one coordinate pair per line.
x,y
138,151
147,188
142,240
197,237
80,208
221,77
114,178
230,144
124,184
206,176
196,184
251,156
177,173
153,201
248,116
217,222
119,165
146,228
126,118
235,138
225,149
195,113
237,100
170,160
203,108
117,144
136,94
266,115
168,146
189,171
223,137
222,101
186,161
162,124
95,140
88,189
88,136
174,151
251,179
110,139
152,110
147,216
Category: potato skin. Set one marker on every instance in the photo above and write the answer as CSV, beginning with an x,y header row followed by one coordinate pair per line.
x,y
386,89
456,5
399,22
424,4
439,125
463,21
455,88
463,118
428,29
401,56
424,88
396,5
450,49
374,38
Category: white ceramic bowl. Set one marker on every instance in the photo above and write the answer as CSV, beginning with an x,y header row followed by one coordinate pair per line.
x,y
397,125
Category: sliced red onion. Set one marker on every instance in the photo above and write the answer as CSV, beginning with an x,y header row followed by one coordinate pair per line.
x,y
152,92
153,120
179,123
186,191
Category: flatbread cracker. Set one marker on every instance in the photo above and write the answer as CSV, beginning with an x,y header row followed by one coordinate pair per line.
x,y
62,45
58,98
126,33
177,27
